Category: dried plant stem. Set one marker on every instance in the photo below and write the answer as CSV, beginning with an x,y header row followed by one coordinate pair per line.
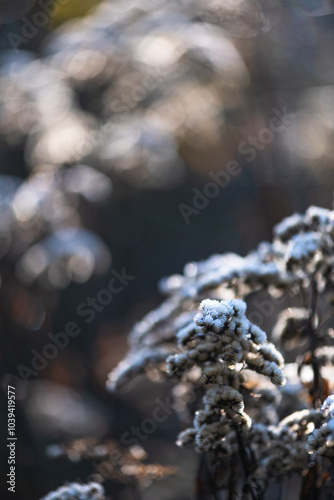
x,y
313,345
233,476
206,485
247,465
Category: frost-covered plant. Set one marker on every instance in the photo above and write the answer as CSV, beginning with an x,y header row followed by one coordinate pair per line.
x,y
201,337
322,439
221,344
77,491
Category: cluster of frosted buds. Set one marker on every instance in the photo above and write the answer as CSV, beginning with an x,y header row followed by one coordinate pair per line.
x,y
305,242
225,356
221,342
222,338
212,431
302,245
322,440
238,274
90,491
287,451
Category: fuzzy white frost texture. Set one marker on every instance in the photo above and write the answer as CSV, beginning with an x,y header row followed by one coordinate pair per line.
x,y
76,491
201,337
322,439
222,345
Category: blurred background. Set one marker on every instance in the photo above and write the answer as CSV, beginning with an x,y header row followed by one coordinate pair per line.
x,y
115,119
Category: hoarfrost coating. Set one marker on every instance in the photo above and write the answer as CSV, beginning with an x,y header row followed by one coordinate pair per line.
x,y
201,338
